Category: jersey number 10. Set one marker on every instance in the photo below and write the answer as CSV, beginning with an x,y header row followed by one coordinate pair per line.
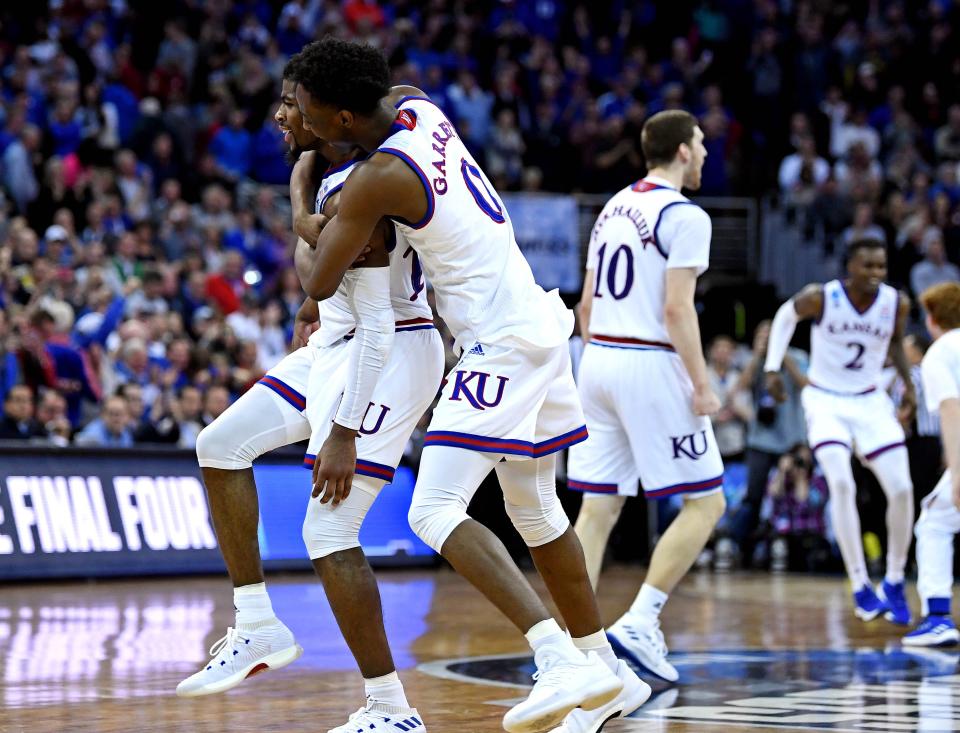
x,y
612,267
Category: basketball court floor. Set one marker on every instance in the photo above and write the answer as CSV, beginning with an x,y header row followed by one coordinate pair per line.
x,y
755,653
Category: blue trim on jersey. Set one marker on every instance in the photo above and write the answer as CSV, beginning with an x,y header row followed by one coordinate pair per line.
x,y
326,197
693,487
876,298
285,391
424,327
656,228
341,167
426,187
414,96
896,309
628,347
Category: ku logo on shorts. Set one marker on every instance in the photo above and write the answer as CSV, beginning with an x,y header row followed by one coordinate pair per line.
x,y
690,446
472,386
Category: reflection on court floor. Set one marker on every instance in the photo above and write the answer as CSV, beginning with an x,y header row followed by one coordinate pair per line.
x,y
755,653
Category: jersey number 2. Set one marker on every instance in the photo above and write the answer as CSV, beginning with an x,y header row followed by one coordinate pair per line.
x,y
612,267
856,363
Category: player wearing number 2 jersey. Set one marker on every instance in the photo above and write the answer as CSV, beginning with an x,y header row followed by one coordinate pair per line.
x,y
857,323
643,378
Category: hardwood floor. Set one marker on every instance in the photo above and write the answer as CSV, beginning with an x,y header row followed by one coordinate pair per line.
x,y
756,652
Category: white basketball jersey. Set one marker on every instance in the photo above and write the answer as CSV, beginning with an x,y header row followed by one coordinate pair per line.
x,y
407,288
485,289
940,370
642,231
848,348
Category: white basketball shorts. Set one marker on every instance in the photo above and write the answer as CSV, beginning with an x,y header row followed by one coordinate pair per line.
x,y
866,423
522,403
407,386
637,401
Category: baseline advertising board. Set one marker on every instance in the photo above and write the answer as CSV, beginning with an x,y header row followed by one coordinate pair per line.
x,y
89,513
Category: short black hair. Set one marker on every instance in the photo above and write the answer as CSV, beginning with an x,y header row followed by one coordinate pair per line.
x,y
867,243
290,68
345,74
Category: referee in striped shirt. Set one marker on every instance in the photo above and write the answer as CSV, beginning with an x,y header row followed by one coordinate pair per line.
x,y
923,441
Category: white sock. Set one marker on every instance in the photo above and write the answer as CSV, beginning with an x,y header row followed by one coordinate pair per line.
x,y
252,604
549,632
649,602
386,691
597,642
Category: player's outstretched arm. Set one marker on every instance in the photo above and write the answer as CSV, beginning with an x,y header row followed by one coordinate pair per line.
x,y
806,304
908,403
680,317
380,187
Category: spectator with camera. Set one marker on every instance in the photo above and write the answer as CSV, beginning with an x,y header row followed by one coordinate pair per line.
x,y
794,521
773,431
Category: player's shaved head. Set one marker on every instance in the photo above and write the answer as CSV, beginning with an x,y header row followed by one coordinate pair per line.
x,y
664,133
942,303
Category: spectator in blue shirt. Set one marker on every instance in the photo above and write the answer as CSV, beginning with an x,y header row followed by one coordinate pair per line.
x,y
111,429
232,147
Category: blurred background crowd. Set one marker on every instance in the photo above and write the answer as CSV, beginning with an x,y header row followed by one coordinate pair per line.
x,y
145,246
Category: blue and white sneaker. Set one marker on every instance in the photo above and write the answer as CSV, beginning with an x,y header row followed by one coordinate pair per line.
x,y
892,594
384,719
866,605
933,631
641,641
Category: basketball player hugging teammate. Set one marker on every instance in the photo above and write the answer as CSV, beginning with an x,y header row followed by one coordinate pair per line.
x,y
510,403
858,322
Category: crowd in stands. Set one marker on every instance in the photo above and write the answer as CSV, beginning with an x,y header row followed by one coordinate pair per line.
x,y
145,246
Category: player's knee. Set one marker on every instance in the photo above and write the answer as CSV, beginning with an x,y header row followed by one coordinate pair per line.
x,y
325,531
600,510
712,506
218,447
433,519
538,525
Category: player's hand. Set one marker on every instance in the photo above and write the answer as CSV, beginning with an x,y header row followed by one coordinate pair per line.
x,y
775,386
705,401
302,330
308,227
335,465
908,407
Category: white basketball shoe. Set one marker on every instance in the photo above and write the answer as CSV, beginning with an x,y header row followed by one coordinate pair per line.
x,y
384,719
635,692
641,640
241,654
563,681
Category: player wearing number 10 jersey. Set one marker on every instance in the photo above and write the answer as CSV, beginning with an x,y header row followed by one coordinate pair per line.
x,y
857,322
643,379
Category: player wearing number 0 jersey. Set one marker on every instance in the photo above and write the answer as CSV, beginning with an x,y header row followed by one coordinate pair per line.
x,y
643,378
858,322
510,403
940,517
